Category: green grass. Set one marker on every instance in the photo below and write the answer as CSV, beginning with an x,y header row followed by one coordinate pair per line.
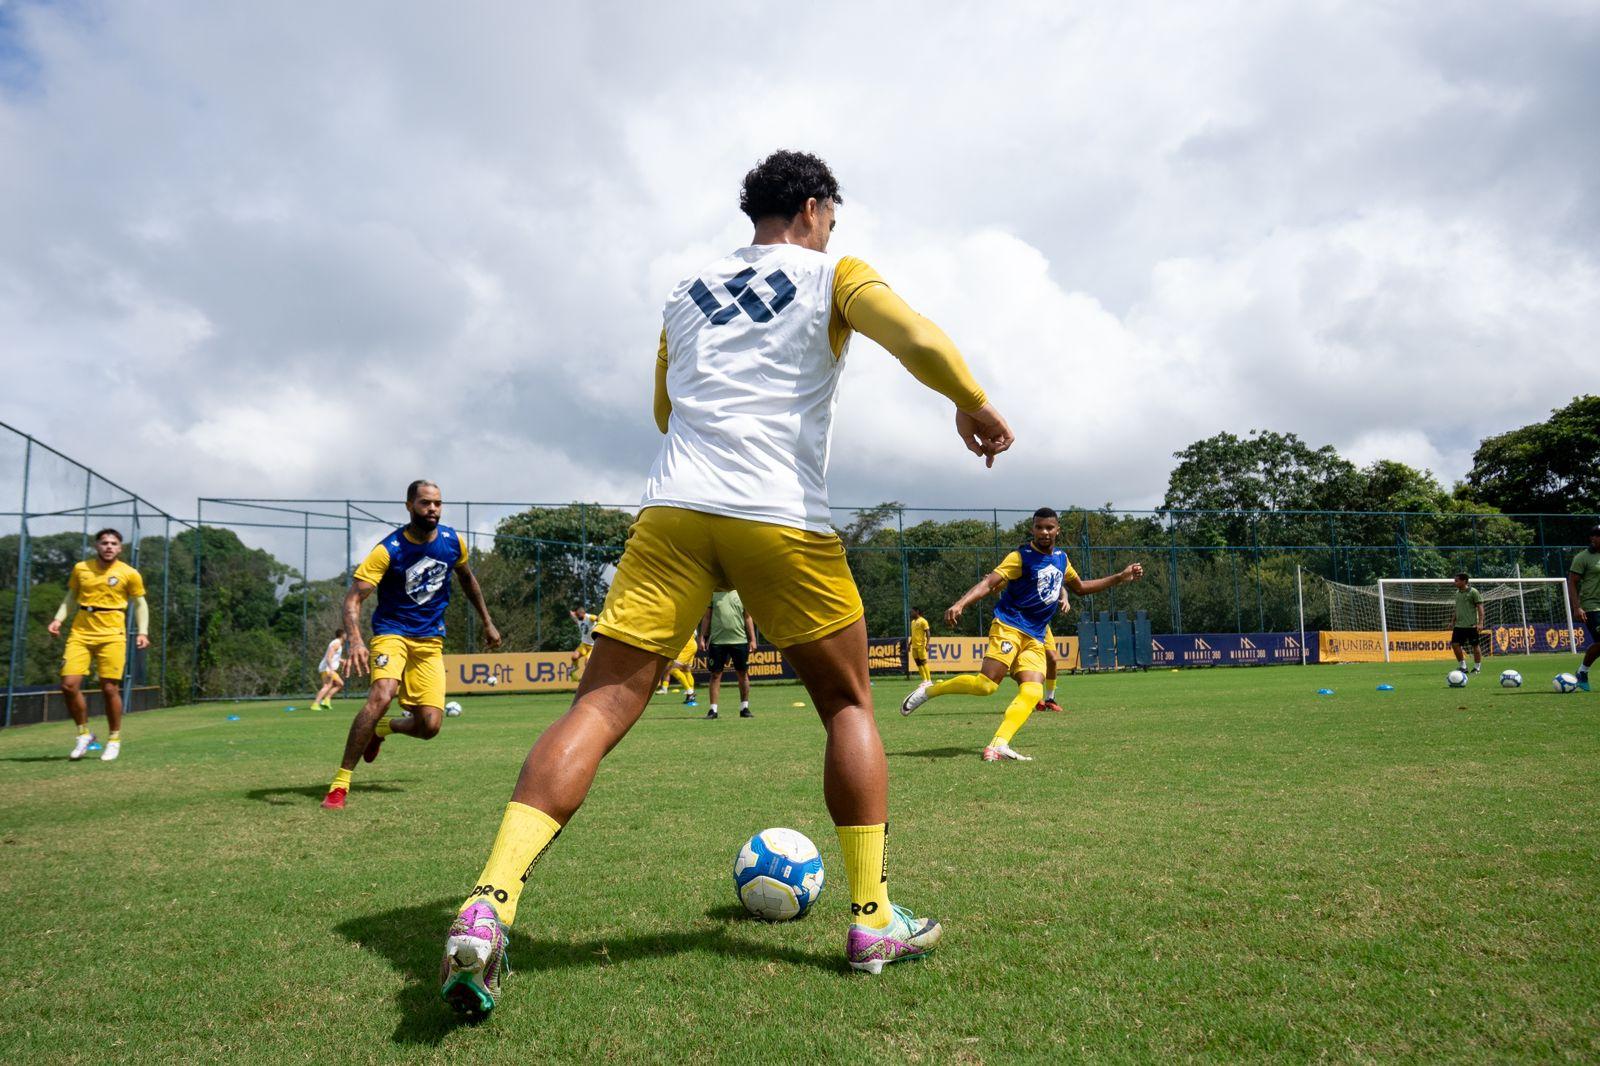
x,y
1211,864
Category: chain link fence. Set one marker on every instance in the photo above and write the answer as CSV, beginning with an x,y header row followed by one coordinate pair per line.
x,y
245,593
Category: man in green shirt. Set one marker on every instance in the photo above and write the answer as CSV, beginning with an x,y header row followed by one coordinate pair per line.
x,y
729,636
1583,589
1469,623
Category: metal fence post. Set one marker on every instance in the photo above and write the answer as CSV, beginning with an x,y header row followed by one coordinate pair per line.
x,y
166,604
19,612
199,542
471,615
1172,578
305,593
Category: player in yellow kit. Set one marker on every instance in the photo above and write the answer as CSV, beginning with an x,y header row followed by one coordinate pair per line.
x,y
917,646
101,590
681,670
747,374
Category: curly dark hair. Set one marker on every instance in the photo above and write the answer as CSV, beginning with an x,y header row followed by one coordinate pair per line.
x,y
780,185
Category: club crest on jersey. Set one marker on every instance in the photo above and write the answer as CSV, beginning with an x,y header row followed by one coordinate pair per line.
x,y
1048,582
1006,647
382,660
112,581
425,577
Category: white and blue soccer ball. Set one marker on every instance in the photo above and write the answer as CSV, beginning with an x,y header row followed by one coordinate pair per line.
x,y
1510,679
778,874
1565,683
452,709
1456,678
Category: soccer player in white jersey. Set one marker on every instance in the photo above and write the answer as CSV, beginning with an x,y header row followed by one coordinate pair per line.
x,y
585,623
746,376
328,671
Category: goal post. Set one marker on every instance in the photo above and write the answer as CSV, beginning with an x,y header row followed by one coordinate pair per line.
x,y
1428,603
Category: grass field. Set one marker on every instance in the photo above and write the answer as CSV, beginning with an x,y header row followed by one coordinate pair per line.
x,y
1210,864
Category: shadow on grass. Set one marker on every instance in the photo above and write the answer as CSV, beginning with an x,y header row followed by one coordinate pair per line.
x,y
930,753
279,797
38,758
412,940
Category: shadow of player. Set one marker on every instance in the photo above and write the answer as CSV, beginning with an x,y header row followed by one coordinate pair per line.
x,y
412,940
930,753
279,797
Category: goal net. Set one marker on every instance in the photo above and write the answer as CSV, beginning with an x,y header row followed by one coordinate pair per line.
x,y
1415,616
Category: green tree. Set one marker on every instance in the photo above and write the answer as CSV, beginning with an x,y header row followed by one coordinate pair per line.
x,y
552,559
1545,468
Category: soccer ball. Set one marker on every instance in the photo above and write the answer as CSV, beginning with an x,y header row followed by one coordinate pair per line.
x,y
1565,683
1510,679
452,709
778,874
493,680
1457,678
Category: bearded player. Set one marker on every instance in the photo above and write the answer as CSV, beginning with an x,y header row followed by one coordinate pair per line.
x,y
747,374
1032,578
410,570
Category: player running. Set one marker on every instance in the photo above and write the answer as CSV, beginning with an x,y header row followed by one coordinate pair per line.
x,y
410,569
100,590
328,670
1033,577
917,646
585,623
746,376
681,670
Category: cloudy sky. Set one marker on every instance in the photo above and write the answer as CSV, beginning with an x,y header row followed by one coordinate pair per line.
x,y
316,249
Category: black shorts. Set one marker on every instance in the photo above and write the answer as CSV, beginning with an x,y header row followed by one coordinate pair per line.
x,y
1467,635
721,654
1593,624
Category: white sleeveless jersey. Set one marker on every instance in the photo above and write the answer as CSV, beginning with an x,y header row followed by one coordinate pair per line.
x,y
331,658
753,379
586,626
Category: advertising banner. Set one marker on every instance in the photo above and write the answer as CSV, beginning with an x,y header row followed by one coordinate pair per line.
x,y
964,655
1230,649
1354,646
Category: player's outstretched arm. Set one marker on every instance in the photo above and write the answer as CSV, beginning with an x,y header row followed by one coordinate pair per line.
x,y
991,581
474,591
1080,587
878,313
356,662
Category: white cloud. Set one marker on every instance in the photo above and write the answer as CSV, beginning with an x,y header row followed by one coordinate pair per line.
x,y
292,236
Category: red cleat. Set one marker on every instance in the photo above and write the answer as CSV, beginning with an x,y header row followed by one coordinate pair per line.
x,y
1047,705
334,800
372,748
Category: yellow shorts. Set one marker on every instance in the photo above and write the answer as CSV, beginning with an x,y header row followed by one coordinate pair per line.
x,y
583,651
108,656
330,675
690,650
1020,652
796,584
919,653
417,664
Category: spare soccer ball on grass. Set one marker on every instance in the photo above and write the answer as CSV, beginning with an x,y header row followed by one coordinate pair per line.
x,y
778,874
452,709
1565,683
1457,678
1510,679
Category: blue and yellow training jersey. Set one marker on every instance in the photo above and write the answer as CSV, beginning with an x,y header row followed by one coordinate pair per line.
x,y
1033,588
413,581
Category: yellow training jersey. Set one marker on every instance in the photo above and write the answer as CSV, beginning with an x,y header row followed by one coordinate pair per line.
x,y
919,632
103,593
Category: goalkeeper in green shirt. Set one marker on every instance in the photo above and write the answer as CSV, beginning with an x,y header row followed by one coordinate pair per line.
x,y
1583,589
1469,624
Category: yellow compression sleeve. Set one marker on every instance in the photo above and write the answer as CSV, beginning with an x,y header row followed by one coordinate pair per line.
x,y
663,402
877,313
68,605
141,616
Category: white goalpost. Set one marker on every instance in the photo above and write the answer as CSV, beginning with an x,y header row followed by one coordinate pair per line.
x,y
1427,604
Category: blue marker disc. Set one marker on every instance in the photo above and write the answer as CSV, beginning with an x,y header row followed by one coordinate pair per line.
x,y
233,718
1385,688
1324,691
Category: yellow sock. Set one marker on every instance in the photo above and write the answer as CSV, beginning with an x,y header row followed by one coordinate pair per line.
x,y
964,685
1028,694
684,678
341,780
526,833
923,672
383,728
116,734
866,865
83,730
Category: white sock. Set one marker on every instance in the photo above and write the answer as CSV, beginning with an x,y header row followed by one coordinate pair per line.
x,y
744,705
1050,693
713,708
